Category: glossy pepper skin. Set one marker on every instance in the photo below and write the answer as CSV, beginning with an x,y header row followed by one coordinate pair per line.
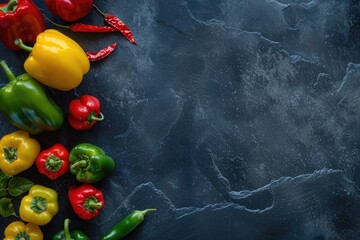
x,y
18,230
90,163
26,104
84,112
56,60
69,10
40,206
53,162
65,234
17,152
127,225
20,19
86,201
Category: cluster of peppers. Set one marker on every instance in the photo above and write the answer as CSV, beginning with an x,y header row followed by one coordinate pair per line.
x,y
89,163
21,22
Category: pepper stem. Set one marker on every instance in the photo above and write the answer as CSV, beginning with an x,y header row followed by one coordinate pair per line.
x,y
10,6
66,229
10,154
92,117
92,204
22,236
10,75
54,23
144,212
97,9
81,163
53,163
38,204
18,42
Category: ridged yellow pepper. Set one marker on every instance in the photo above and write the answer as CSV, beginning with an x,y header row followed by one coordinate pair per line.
x,y
18,230
56,60
40,206
18,152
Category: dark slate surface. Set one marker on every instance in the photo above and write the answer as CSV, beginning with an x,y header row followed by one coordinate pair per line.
x,y
236,119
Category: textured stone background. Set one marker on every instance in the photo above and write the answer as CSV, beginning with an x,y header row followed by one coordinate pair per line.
x,y
236,119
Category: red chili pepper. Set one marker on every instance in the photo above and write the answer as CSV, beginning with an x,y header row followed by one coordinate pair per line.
x,y
103,53
69,10
20,19
86,201
118,24
53,162
84,112
82,27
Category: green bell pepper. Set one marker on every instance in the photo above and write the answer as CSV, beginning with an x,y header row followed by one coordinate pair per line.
x,y
90,163
65,234
25,104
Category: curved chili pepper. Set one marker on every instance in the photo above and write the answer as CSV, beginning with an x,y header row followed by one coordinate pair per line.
x,y
103,53
118,24
53,162
126,225
82,27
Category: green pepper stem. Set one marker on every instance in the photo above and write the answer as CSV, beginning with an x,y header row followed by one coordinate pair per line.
x,y
81,163
144,212
18,42
54,23
92,117
92,204
10,6
95,205
9,74
53,163
38,204
10,154
97,9
66,229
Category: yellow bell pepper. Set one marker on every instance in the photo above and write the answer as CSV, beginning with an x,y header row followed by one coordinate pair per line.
x,y
17,152
40,206
56,60
18,230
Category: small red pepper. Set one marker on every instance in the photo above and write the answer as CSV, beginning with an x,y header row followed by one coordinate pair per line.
x,y
84,112
86,201
118,24
82,27
103,53
20,19
53,162
69,10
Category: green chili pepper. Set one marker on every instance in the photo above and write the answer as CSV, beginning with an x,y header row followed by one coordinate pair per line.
x,y
90,163
67,235
126,225
25,103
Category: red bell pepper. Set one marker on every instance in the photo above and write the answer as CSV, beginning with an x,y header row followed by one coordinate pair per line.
x,y
69,10
86,201
53,162
20,19
84,112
